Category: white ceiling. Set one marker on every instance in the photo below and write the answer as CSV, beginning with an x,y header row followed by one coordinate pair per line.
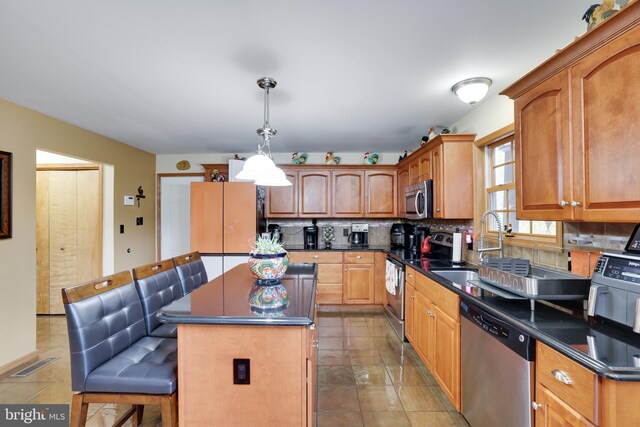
x,y
353,75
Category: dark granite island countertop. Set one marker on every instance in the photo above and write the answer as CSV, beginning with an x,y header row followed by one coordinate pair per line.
x,y
225,300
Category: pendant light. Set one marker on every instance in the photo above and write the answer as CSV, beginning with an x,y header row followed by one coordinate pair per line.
x,y
260,167
472,90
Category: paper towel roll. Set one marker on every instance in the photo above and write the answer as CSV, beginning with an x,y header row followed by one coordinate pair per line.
x,y
457,247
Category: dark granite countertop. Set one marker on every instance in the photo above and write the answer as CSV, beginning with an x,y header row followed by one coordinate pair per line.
x,y
608,349
225,300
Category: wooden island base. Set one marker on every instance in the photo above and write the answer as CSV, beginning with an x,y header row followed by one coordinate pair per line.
x,y
282,375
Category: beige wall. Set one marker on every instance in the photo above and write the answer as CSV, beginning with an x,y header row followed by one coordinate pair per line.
x,y
492,114
21,132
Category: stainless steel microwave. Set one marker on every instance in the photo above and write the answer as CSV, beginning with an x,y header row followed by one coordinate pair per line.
x,y
419,200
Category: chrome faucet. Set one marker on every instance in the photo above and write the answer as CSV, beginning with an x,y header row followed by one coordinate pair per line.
x,y
481,248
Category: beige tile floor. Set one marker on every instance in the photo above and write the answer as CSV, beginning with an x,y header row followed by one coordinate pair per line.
x,y
366,377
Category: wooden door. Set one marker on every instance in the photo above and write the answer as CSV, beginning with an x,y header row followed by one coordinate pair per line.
x,y
414,171
358,284
425,166
403,183
437,165
206,217
542,151
554,412
314,194
282,202
68,232
239,210
409,321
381,194
456,189
348,193
606,131
447,355
423,335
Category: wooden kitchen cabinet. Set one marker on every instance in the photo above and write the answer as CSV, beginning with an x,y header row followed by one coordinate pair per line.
x,y
358,284
452,174
446,338
438,178
282,202
314,194
330,277
553,412
380,194
414,171
425,166
348,194
220,221
576,125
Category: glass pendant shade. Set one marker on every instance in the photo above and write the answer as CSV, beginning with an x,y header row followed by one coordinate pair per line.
x,y
472,90
274,177
255,166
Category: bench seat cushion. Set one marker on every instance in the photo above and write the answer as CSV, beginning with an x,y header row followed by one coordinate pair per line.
x,y
165,330
149,366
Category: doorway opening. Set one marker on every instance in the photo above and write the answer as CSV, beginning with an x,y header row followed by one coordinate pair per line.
x,y
74,225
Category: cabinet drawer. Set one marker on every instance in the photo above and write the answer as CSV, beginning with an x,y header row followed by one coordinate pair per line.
x,y
325,257
553,370
410,276
359,257
330,273
446,300
329,294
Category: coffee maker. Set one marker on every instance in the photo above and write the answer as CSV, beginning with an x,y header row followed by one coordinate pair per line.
x,y
398,232
311,236
415,240
359,235
275,232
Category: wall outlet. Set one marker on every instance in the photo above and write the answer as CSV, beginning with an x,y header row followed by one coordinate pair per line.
x,y
345,232
241,371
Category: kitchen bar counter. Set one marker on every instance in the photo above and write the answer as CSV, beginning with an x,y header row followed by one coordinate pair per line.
x,y
605,348
225,300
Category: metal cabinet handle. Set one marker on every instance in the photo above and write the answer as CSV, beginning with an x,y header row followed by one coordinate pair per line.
x,y
536,406
561,376
359,257
438,210
316,256
564,203
574,204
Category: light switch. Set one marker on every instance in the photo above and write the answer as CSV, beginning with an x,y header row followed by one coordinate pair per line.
x,y
129,200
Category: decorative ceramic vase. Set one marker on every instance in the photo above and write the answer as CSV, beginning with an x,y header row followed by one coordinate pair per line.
x,y
268,297
268,266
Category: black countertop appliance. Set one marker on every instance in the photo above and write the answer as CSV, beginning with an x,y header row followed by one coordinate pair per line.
x,y
311,236
275,231
420,232
398,235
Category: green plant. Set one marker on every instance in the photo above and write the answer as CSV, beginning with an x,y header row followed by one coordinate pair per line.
x,y
267,245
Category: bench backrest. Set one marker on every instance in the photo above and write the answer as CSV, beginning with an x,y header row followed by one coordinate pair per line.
x,y
158,285
191,271
104,317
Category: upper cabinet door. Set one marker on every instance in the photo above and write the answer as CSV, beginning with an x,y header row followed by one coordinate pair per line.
x,y
605,88
314,194
348,195
542,151
403,182
206,217
425,166
437,165
414,171
239,209
380,190
282,202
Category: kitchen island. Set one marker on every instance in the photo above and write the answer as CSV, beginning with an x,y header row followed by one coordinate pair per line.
x,y
239,364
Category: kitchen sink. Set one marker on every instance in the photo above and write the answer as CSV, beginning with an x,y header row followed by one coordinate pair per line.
x,y
459,277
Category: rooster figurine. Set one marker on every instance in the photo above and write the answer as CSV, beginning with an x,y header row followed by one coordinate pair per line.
x,y
598,13
299,159
371,158
330,159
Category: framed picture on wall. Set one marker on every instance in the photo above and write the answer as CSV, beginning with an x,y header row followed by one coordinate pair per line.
x,y
5,195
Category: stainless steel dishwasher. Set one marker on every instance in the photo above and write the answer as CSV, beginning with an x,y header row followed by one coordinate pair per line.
x,y
497,370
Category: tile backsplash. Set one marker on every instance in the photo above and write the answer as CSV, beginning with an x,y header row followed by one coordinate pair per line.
x,y
379,230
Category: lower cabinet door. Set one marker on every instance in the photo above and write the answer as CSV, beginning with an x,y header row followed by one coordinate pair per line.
x,y
422,329
409,322
447,355
554,412
358,284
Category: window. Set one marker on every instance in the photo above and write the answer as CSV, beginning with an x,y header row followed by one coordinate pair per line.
x,y
501,196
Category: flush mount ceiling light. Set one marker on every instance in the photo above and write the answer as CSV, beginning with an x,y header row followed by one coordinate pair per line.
x,y
472,90
260,167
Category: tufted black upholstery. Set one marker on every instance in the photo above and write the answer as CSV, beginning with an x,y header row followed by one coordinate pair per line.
x,y
192,275
155,292
110,351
